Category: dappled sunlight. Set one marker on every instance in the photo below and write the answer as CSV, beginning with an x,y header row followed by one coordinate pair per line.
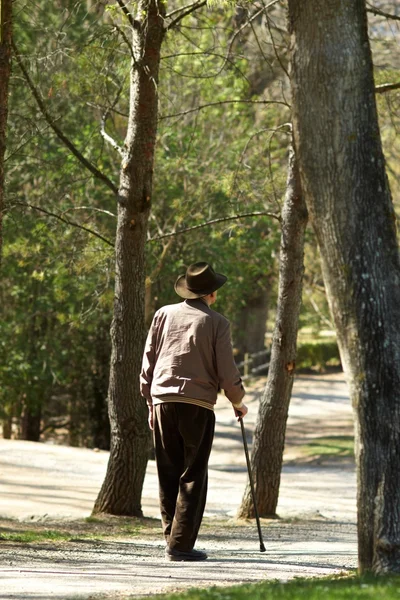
x,y
317,535
39,479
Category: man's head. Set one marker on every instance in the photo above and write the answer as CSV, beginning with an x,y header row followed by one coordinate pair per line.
x,y
199,281
210,298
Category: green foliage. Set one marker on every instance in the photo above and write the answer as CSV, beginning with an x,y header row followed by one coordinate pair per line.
x,y
53,312
215,162
389,122
317,354
222,154
57,280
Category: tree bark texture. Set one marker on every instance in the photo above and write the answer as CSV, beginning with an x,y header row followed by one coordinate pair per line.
x,y
130,437
347,193
5,72
269,436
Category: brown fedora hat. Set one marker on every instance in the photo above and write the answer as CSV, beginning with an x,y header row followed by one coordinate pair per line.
x,y
199,280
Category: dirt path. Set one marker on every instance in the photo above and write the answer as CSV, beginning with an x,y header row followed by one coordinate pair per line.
x,y
317,501
136,568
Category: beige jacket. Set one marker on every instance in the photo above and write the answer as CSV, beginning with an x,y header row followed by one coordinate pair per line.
x,y
188,355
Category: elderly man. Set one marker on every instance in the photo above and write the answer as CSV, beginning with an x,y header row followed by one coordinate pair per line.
x,y
187,359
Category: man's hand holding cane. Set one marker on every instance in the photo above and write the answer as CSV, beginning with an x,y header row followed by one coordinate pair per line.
x,y
241,412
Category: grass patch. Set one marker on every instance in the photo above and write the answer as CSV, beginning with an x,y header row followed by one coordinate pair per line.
x,y
30,536
337,446
103,527
332,588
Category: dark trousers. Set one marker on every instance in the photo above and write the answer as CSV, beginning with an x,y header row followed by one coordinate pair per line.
x,y
183,435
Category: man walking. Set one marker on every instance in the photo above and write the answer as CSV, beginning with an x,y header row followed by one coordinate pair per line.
x,y
187,359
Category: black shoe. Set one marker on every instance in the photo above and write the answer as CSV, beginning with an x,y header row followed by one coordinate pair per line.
x,y
190,555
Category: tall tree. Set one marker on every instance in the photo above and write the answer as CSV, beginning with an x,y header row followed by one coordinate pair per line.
x,y
5,71
121,490
269,436
130,438
343,177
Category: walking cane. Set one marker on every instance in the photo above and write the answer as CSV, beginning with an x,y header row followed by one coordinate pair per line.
x,y
246,451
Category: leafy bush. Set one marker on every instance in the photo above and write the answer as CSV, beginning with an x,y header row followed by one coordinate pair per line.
x,y
317,355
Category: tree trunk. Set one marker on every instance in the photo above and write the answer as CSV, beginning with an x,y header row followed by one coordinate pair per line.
x,y
130,437
269,436
30,424
7,427
347,193
5,71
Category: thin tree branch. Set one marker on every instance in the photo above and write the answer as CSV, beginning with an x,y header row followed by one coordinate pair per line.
x,y
127,42
93,208
189,9
180,9
196,53
207,53
201,106
318,310
381,13
225,60
386,87
276,50
66,221
50,120
102,107
27,141
240,162
152,217
104,118
134,24
164,255
239,31
258,43
110,139
214,222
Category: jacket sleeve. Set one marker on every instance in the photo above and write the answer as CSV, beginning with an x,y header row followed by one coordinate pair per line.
x,y
228,373
148,362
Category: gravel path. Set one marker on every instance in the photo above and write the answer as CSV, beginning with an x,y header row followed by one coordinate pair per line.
x,y
317,503
136,568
